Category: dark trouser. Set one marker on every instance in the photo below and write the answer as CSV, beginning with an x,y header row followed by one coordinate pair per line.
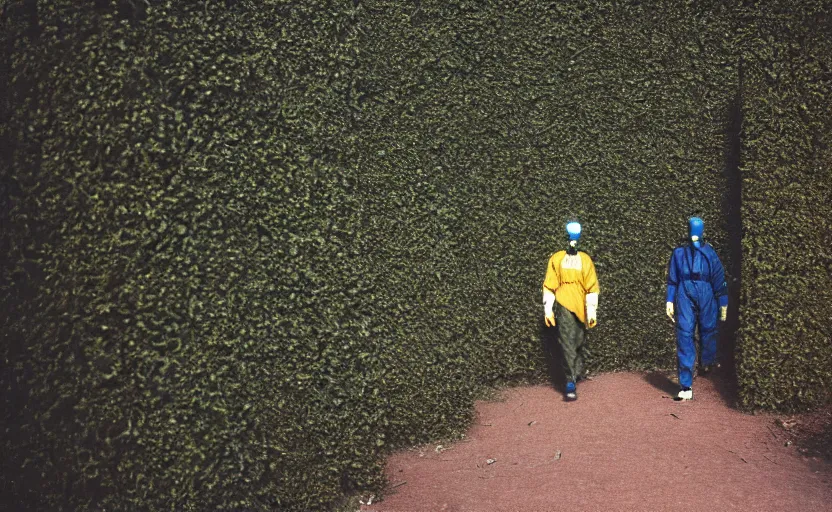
x,y
572,339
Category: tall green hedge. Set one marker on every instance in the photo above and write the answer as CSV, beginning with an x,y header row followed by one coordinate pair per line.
x,y
190,326
485,129
252,246
784,346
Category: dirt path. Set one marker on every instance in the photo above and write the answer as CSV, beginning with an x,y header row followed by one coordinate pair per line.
x,y
624,445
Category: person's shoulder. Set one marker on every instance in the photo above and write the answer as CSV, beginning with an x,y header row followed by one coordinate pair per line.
x,y
709,248
556,258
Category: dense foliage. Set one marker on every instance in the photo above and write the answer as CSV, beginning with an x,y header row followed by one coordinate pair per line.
x,y
252,246
784,345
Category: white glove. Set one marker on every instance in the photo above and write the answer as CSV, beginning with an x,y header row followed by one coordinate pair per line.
x,y
548,304
591,310
669,311
723,313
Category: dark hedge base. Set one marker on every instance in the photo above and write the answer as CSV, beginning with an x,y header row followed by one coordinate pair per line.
x,y
250,247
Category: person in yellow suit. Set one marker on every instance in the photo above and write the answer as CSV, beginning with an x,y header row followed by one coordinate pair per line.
x,y
570,302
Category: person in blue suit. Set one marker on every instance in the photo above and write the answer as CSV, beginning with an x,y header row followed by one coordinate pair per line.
x,y
697,295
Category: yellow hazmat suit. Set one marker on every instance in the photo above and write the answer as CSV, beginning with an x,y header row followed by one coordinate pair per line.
x,y
571,277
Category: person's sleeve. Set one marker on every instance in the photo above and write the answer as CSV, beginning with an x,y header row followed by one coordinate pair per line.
x,y
672,279
590,277
552,279
718,280
548,301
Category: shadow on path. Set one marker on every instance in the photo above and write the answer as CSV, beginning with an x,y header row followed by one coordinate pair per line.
x,y
722,380
662,382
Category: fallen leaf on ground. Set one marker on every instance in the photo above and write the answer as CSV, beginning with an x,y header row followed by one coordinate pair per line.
x,y
787,424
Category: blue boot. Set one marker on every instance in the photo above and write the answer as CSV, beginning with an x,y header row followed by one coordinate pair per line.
x,y
570,391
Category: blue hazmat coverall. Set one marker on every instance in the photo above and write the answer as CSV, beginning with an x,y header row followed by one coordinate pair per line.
x,y
696,286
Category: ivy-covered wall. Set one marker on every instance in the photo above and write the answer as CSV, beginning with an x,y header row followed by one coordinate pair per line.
x,y
249,247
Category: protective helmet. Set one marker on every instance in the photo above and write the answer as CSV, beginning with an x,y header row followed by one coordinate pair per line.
x,y
696,228
573,229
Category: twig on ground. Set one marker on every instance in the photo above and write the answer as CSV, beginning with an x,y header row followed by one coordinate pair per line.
x,y
398,484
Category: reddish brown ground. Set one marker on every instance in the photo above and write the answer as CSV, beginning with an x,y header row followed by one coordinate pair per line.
x,y
624,445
